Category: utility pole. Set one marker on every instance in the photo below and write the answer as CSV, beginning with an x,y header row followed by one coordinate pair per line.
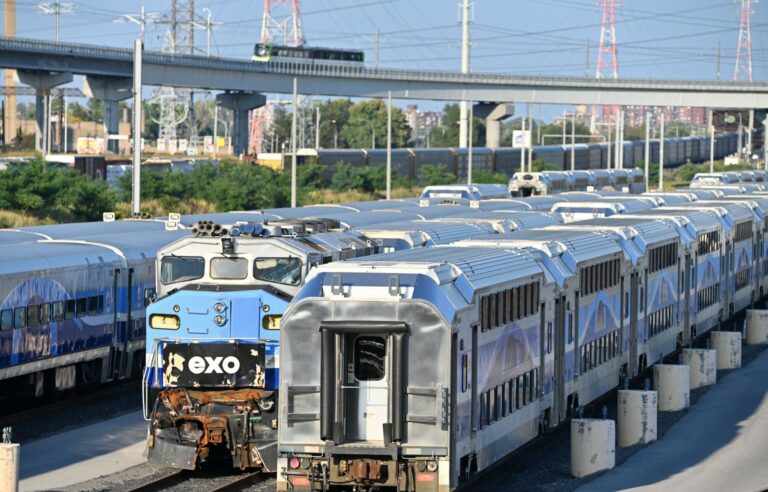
x,y
530,147
137,49
317,127
471,141
293,140
142,19
465,48
9,116
389,145
216,127
749,134
522,148
565,123
719,57
661,151
647,148
56,8
608,49
377,41
573,140
712,141
586,63
610,143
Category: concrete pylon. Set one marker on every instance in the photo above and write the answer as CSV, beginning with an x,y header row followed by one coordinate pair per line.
x,y
493,114
240,103
111,90
42,82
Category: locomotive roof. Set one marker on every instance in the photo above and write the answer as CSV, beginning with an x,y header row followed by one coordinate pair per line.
x,y
229,217
70,231
437,232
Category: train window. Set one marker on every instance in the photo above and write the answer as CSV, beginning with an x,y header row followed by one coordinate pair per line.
x,y
370,358
509,305
492,408
526,382
278,270
626,304
101,304
93,305
500,318
181,269
58,310
6,319
20,317
484,321
33,315
464,372
69,309
229,268
484,411
571,333
519,393
502,392
516,303
511,395
149,295
81,307
549,337
492,311
45,313
534,384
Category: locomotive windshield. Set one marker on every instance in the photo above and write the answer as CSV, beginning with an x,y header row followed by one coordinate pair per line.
x,y
278,270
181,269
229,268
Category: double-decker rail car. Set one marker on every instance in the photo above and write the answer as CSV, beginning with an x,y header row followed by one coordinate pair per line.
x,y
536,184
72,309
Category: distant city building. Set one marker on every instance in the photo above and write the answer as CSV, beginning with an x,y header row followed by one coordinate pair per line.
x,y
421,123
636,115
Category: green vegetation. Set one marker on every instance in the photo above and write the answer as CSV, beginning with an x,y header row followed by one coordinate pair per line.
x,y
36,193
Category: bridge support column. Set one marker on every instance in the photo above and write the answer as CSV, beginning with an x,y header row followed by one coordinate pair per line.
x,y
42,82
111,90
240,103
494,114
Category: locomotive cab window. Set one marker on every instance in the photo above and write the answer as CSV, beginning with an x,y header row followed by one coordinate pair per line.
x,y
370,354
278,270
181,269
229,268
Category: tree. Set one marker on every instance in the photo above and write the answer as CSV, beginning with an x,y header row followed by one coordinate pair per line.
x,y
447,134
334,114
435,175
369,118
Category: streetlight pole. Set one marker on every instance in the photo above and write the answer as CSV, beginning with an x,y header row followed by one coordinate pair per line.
x,y
137,49
389,145
317,127
293,141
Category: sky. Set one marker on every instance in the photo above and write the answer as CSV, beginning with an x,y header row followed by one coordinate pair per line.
x,y
658,39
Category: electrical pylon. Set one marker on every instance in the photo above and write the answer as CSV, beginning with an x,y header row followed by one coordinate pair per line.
x,y
608,56
744,51
283,28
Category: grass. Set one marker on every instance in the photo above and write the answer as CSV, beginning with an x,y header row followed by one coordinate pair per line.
x,y
10,219
319,197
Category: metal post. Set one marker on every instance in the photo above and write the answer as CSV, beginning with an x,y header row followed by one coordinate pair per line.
x,y
522,149
208,29
661,151
137,49
471,141
647,148
711,142
389,145
317,127
564,129
215,127
66,124
293,140
530,147
609,157
376,60
464,108
573,140
749,135
621,139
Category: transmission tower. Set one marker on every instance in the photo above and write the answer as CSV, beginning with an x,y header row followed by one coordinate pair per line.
x,y
607,57
177,106
744,51
283,27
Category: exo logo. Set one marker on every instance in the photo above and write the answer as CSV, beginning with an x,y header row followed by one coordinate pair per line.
x,y
210,365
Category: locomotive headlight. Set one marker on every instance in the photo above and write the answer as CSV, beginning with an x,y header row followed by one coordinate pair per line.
x,y
164,322
294,462
432,466
266,404
219,307
219,320
305,463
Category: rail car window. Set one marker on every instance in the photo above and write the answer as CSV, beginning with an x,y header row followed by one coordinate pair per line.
x,y
500,308
278,270
601,276
82,307
58,310
69,309
93,305
181,269
20,317
149,294
6,319
229,268
549,337
743,231
33,315
464,372
370,358
45,313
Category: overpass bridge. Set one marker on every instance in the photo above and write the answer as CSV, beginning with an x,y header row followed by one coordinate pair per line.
x,y
108,72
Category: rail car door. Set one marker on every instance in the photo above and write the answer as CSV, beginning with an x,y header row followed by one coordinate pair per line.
x,y
687,300
366,386
559,400
118,306
634,297
726,264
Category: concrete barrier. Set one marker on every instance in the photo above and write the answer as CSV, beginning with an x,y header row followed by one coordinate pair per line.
x,y
636,417
757,326
673,382
593,446
728,346
703,364
9,467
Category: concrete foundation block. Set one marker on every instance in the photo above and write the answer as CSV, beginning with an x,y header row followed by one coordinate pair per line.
x,y
9,467
728,346
673,382
757,326
593,446
703,364
637,417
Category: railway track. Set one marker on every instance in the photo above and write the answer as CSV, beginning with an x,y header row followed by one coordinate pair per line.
x,y
180,478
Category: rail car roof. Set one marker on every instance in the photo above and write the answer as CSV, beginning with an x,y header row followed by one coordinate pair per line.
x,y
733,211
434,232
136,247
45,255
82,229
702,194
674,198
380,205
229,217
473,191
695,221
